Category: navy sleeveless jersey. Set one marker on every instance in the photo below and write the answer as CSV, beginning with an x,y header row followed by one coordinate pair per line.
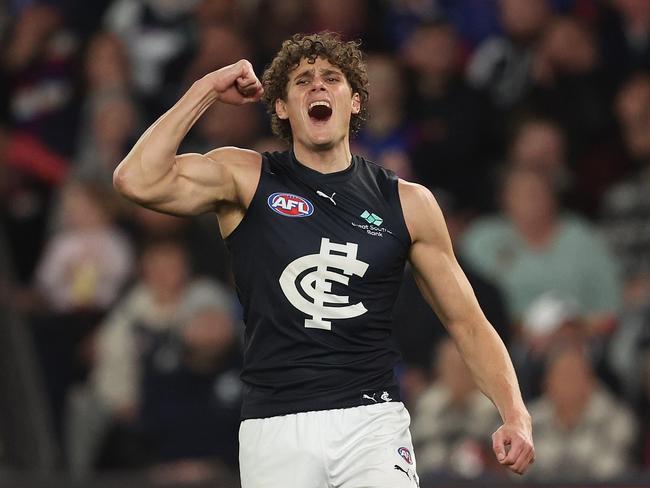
x,y
318,260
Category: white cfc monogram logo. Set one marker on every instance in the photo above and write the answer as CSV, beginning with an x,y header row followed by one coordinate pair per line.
x,y
323,269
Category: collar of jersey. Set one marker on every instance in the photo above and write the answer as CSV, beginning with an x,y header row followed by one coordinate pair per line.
x,y
312,174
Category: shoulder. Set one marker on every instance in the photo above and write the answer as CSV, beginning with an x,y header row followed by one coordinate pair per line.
x,y
488,227
414,195
422,213
242,167
624,197
605,405
485,58
578,228
236,157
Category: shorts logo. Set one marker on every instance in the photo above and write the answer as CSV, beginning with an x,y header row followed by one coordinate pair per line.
x,y
406,454
290,205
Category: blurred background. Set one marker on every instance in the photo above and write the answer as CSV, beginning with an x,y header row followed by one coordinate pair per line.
x,y
120,333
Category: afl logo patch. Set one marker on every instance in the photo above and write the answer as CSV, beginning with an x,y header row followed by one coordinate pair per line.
x,y
406,454
290,205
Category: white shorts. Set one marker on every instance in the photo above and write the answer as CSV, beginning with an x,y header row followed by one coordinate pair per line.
x,y
361,447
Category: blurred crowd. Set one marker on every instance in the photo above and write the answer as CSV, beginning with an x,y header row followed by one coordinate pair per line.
x,y
530,122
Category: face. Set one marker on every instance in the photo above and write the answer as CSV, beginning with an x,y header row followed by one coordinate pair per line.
x,y
318,105
165,270
633,111
439,40
81,209
539,146
385,78
523,19
528,199
569,379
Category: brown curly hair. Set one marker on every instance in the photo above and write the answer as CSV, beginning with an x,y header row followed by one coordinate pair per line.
x,y
345,55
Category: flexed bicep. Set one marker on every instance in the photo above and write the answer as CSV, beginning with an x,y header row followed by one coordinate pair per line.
x,y
200,183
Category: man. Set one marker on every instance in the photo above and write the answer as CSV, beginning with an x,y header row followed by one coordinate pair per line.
x,y
318,240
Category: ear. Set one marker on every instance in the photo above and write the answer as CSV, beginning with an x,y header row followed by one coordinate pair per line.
x,y
356,103
281,109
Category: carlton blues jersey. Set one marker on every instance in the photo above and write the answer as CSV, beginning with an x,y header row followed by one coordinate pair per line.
x,y
318,260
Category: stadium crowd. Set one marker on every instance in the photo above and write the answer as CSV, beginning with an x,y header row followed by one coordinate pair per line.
x,y
530,122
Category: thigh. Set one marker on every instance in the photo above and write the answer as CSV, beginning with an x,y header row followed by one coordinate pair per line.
x,y
379,450
281,452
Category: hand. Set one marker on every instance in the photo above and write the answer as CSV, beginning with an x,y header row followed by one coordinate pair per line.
x,y
236,84
513,445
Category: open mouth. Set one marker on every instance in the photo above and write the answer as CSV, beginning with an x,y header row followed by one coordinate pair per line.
x,y
319,111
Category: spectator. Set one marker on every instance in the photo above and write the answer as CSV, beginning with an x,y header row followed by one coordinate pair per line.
x,y
166,372
218,46
541,145
449,116
502,65
200,236
533,247
581,431
106,64
80,274
40,104
625,215
277,20
158,37
625,38
37,64
628,353
348,17
385,139
223,12
452,419
110,116
113,119
570,88
225,125
626,206
568,80
88,261
191,410
553,318
473,20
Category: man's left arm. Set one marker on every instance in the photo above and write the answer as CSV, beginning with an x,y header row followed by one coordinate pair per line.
x,y
445,287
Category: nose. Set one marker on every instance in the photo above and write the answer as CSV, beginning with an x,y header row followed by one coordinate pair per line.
x,y
317,84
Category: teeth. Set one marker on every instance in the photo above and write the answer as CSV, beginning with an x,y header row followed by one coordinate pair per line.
x,y
320,102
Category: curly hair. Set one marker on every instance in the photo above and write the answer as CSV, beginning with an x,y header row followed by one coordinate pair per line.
x,y
345,55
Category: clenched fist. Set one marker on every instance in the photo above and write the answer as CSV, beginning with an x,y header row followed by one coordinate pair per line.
x,y
236,84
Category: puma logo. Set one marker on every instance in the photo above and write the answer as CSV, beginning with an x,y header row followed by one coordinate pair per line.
x,y
411,477
399,468
325,195
368,397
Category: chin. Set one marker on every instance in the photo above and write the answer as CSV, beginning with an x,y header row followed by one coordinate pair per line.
x,y
324,141
322,145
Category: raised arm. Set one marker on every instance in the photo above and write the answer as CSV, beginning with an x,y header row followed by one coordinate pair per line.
x,y
444,285
153,175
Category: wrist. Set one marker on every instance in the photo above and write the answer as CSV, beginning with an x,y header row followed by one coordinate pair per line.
x,y
517,416
204,89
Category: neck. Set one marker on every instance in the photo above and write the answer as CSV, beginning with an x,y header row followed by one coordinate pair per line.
x,y
538,234
326,160
569,415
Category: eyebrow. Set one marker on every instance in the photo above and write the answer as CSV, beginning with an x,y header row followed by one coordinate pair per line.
x,y
323,71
